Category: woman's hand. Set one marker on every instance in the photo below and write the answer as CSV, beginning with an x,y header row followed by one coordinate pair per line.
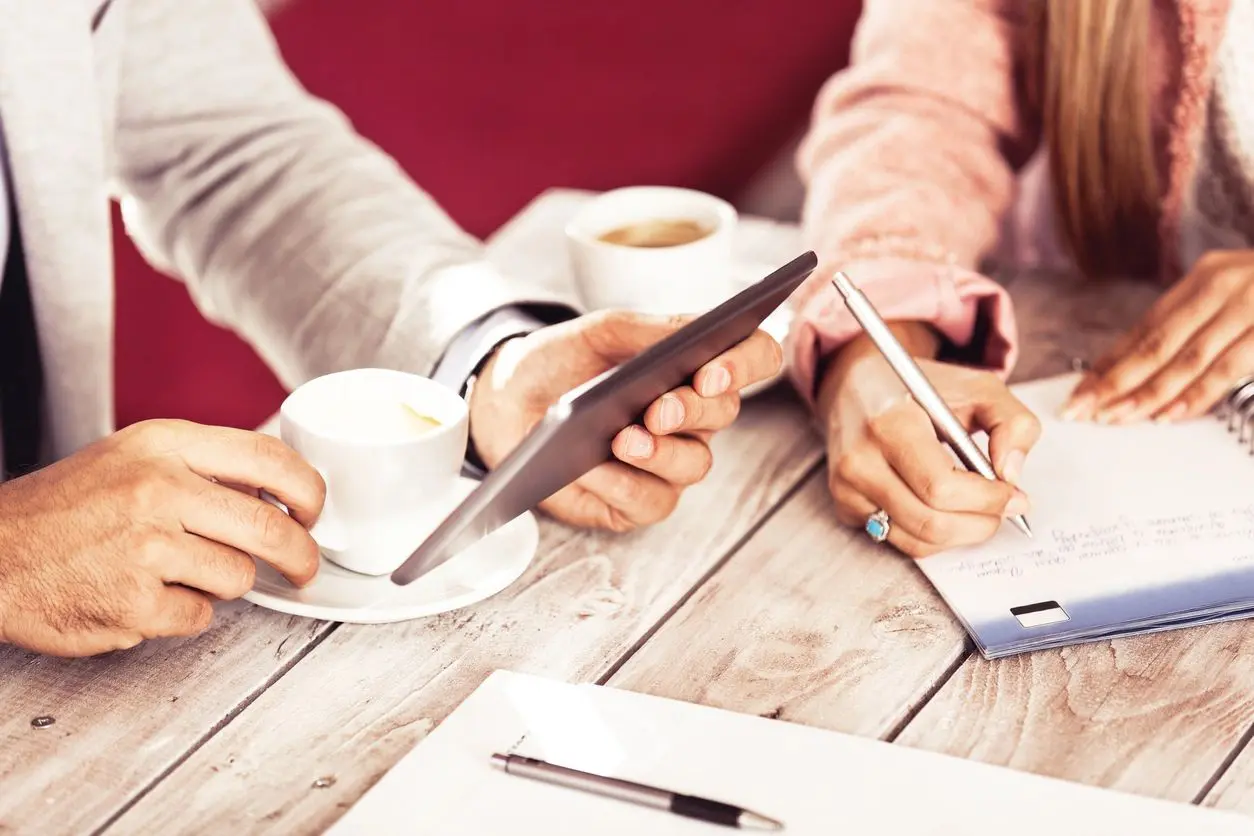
x,y
1192,346
883,451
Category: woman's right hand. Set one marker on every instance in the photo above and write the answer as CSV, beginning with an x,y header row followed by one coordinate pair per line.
x,y
883,451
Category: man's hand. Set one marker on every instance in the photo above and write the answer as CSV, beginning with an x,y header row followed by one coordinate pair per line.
x,y
135,536
655,461
1192,346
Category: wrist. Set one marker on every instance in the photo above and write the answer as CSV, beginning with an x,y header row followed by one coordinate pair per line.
x,y
479,393
920,340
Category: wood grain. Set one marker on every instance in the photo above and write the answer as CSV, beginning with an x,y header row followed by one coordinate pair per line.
x,y
810,623
1157,715
124,718
1234,789
324,733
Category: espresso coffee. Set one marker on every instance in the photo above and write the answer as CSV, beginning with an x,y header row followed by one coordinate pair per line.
x,y
671,232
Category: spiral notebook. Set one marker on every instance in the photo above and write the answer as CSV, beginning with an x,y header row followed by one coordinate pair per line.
x,y
1138,528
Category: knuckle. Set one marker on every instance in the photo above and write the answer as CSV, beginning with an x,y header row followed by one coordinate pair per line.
x,y
149,488
1154,346
935,528
1026,425
202,616
616,521
271,526
1193,356
269,448
937,490
155,434
848,468
241,576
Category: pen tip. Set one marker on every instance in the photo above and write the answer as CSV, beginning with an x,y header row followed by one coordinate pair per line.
x,y
1021,522
843,284
753,821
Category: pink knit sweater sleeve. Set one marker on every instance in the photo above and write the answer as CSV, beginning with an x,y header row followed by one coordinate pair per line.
x,y
910,168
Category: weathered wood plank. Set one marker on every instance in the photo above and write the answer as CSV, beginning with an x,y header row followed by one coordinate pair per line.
x,y
364,696
1157,715
124,718
808,623
1234,789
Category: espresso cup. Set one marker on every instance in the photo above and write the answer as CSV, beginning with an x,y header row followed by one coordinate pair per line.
x,y
391,477
689,277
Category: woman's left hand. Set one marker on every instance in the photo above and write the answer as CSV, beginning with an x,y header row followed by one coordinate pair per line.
x,y
1186,354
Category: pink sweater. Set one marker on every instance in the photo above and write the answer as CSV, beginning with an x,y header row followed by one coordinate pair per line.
x,y
917,166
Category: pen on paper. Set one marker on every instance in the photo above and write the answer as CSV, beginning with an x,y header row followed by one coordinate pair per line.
x,y
703,809
920,388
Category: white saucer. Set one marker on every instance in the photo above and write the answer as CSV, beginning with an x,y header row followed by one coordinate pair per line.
x,y
337,594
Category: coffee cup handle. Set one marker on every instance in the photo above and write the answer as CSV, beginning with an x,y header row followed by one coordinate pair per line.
x,y
326,531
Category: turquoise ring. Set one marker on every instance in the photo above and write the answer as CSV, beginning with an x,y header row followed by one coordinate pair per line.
x,y
877,526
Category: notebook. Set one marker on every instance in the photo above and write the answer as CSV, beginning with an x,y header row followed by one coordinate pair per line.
x,y
817,783
1137,528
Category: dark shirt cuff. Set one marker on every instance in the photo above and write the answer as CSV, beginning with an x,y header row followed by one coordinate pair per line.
x,y
474,345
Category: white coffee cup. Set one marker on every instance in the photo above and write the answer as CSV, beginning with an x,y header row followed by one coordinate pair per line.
x,y
389,482
685,278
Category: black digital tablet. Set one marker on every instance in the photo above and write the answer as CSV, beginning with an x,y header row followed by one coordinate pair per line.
x,y
575,434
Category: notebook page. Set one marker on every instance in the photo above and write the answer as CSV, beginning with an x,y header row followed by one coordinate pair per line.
x,y
1131,524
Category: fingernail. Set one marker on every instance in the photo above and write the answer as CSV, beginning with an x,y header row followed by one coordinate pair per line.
x,y
639,443
671,415
1012,468
716,382
1175,413
1080,409
1017,505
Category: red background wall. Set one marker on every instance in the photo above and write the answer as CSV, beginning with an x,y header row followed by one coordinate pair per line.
x,y
486,103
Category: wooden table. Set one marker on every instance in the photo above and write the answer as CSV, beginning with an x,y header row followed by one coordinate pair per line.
x,y
750,598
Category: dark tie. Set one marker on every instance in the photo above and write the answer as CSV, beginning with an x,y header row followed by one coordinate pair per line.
x,y
21,371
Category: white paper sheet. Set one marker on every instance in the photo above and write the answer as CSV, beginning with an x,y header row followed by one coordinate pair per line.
x,y
818,783
1136,527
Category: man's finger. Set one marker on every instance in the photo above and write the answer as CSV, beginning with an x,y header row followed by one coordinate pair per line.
x,y
255,460
755,359
252,526
632,498
224,572
178,611
675,459
618,336
684,411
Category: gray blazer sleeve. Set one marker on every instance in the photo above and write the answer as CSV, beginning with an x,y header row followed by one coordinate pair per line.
x,y
286,225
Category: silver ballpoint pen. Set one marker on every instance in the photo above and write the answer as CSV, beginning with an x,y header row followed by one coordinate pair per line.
x,y
920,388
691,806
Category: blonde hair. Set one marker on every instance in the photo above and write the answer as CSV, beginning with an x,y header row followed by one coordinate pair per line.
x,y
1088,70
